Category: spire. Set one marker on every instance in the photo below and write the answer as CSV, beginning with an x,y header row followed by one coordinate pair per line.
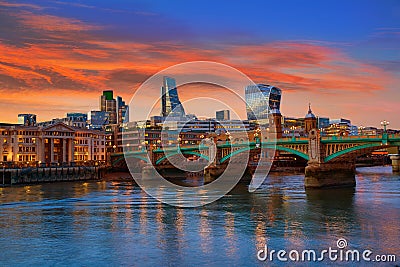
x,y
310,114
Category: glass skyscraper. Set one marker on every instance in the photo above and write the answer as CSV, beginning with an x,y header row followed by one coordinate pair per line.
x,y
260,99
122,111
108,104
117,109
171,105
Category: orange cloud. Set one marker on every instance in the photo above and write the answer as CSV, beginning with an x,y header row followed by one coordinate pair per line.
x,y
310,67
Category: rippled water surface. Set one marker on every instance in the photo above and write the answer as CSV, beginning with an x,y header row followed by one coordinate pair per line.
x,y
116,223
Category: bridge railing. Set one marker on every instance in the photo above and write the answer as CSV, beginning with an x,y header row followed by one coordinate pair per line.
x,y
292,138
351,137
286,140
360,137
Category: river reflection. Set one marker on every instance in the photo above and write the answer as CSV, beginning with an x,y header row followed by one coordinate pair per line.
x,y
109,223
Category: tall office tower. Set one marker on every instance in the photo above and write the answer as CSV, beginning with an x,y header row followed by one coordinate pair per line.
x,y
27,119
260,99
171,105
109,104
223,115
122,111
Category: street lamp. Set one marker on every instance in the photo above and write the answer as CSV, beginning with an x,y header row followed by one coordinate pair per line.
x,y
229,136
143,146
286,132
293,128
361,128
384,124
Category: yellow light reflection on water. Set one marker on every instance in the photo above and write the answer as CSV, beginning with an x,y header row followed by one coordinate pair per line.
x,y
143,213
231,249
205,232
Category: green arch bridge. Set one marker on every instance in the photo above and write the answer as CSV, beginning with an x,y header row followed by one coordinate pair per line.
x,y
326,156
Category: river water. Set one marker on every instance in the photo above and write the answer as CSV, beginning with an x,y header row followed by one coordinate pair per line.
x,y
116,223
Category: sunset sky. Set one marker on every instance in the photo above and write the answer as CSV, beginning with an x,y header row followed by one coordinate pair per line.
x,y
342,56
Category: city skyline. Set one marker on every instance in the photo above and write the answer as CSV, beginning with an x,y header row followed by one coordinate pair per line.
x,y
57,57
23,117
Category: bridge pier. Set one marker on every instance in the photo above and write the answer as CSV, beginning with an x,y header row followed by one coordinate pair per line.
x,y
322,173
395,163
327,175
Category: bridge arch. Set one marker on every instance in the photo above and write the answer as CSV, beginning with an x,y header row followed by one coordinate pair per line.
x,y
277,147
183,152
293,151
357,150
236,152
129,155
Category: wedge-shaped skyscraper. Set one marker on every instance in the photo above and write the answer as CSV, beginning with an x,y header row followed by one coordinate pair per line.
x,y
171,105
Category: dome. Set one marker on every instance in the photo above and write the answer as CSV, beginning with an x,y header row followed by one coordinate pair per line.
x,y
310,115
